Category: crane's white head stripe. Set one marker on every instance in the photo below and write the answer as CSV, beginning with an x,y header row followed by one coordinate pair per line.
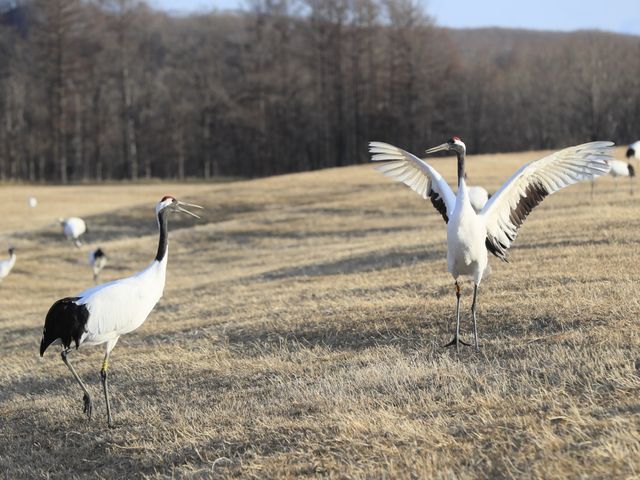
x,y
456,141
164,203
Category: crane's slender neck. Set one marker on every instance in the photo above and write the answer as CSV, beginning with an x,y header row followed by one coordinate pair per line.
x,y
460,168
163,242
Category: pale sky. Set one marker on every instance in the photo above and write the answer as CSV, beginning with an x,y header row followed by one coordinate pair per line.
x,y
614,15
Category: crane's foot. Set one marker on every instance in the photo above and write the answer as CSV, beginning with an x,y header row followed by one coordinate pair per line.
x,y
88,406
455,342
111,424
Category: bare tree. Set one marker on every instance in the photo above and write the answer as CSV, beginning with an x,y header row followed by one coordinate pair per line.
x,y
111,89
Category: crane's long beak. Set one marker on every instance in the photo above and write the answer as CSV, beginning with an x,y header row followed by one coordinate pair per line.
x,y
439,148
184,210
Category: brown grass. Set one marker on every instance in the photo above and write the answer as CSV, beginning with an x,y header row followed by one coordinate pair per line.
x,y
301,333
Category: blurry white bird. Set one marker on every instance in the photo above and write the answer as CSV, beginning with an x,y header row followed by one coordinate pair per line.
x,y
633,151
73,228
32,202
103,313
478,197
7,265
97,260
622,169
618,168
470,236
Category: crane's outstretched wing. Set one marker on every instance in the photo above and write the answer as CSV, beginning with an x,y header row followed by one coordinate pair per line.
x,y
417,174
510,205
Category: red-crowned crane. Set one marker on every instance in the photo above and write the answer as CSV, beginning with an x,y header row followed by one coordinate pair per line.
x,y
100,315
622,169
98,260
73,228
470,235
32,202
633,150
618,168
7,265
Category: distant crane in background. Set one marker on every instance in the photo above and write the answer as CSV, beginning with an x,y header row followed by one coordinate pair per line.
x,y
32,202
73,228
633,151
621,169
97,260
618,168
470,236
478,197
105,312
7,265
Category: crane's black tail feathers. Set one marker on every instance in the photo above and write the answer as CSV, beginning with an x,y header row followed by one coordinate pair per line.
x,y
66,321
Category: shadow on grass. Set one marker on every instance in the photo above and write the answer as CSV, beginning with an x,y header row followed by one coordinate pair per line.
x,y
248,237
553,245
62,447
24,337
335,336
368,262
404,331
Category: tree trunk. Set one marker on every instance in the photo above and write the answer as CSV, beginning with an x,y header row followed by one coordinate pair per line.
x,y
181,154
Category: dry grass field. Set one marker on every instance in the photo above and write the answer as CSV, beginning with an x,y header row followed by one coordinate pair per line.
x,y
301,335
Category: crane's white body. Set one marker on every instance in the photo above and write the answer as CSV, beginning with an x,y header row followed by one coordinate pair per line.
x,y
466,231
619,168
122,306
32,202
73,228
478,197
6,266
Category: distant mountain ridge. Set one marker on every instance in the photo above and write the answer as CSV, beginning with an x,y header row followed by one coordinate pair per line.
x,y
471,41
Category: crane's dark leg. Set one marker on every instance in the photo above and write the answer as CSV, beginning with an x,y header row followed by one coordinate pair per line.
x,y
105,387
88,408
593,183
473,313
456,339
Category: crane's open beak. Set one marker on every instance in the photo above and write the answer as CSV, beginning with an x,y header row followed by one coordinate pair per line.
x,y
180,205
439,148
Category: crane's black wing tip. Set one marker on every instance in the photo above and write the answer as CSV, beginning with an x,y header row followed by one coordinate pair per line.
x,y
66,321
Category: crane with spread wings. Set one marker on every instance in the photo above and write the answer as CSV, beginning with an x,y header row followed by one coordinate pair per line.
x,y
470,235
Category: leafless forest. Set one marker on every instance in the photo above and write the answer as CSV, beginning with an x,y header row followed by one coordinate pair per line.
x,y
112,89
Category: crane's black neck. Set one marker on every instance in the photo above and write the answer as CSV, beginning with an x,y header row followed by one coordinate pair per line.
x,y
163,243
460,167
